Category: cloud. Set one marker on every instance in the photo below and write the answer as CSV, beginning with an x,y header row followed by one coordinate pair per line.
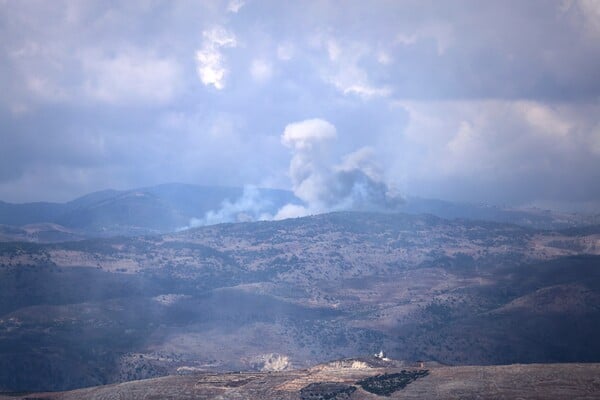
x,y
362,90
285,51
589,12
544,118
441,33
344,71
501,151
235,6
130,77
261,70
494,101
45,89
211,66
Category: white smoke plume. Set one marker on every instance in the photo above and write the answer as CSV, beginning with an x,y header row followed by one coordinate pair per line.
x,y
251,206
353,184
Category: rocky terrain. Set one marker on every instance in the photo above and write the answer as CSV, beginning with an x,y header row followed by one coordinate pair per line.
x,y
359,379
272,296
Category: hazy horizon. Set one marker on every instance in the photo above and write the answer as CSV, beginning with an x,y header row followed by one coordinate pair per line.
x,y
495,102
572,207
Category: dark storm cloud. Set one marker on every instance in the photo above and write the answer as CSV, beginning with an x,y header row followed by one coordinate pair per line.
x,y
494,101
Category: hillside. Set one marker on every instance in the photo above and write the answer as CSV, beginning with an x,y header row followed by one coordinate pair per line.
x,y
365,378
171,207
147,210
293,293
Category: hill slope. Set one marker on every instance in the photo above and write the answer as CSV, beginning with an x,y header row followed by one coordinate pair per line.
x,y
156,209
360,379
300,291
170,207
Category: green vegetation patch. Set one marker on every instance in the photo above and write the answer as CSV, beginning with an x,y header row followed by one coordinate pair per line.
x,y
386,384
326,391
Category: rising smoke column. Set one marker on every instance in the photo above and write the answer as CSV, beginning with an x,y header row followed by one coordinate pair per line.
x,y
353,184
323,185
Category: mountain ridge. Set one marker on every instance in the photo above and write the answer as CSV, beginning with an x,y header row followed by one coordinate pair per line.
x,y
234,296
168,207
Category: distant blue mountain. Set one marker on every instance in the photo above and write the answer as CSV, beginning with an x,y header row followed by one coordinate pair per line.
x,y
155,209
529,217
169,207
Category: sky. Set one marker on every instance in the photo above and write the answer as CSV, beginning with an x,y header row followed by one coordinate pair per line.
x,y
494,101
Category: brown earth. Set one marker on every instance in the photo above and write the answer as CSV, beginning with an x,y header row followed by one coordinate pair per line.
x,y
519,381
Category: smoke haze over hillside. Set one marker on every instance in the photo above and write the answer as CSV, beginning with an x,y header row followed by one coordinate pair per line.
x,y
321,184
